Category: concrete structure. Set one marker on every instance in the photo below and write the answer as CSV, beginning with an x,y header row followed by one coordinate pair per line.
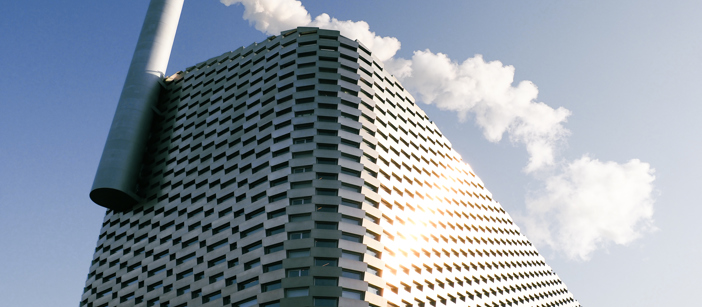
x,y
297,172
115,182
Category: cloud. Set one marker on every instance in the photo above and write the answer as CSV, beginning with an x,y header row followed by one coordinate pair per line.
x,y
591,204
273,16
585,204
485,90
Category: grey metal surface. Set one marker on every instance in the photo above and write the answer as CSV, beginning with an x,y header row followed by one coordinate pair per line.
x,y
115,182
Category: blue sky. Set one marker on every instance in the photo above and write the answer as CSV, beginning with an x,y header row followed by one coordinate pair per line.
x,y
627,71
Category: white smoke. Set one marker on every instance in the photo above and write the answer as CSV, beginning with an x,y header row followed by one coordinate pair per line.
x,y
484,90
273,16
585,204
591,204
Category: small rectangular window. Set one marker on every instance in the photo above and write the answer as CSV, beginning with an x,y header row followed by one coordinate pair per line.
x,y
298,253
220,228
352,274
301,169
184,274
274,248
251,231
255,213
298,235
300,200
275,230
327,192
326,243
326,281
326,302
326,225
247,284
299,217
272,267
271,286
276,213
297,272
217,277
211,297
251,247
326,208
329,161
351,255
252,264
216,261
351,237
352,294
350,220
297,292
330,262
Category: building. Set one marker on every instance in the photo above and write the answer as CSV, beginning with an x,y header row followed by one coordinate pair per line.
x,y
297,172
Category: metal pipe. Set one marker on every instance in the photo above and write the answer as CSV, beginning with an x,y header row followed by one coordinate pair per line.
x,y
116,178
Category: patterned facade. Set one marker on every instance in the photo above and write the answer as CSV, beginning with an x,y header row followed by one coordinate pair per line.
x,y
297,172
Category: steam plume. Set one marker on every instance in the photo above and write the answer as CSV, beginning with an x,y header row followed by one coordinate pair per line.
x,y
484,90
273,16
584,205
590,204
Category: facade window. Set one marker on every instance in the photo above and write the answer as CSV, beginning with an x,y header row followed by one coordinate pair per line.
x,y
326,281
351,255
272,267
300,217
300,200
252,264
247,284
330,262
247,302
326,302
211,297
326,243
251,247
298,253
271,286
297,292
297,272
352,294
298,235
276,213
375,290
250,231
352,274
327,192
350,220
326,225
274,248
183,290
275,230
301,169
326,208
351,237
373,271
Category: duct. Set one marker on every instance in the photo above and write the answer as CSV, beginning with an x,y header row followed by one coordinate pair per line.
x,y
116,178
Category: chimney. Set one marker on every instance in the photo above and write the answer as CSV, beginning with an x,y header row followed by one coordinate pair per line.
x,y
115,182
